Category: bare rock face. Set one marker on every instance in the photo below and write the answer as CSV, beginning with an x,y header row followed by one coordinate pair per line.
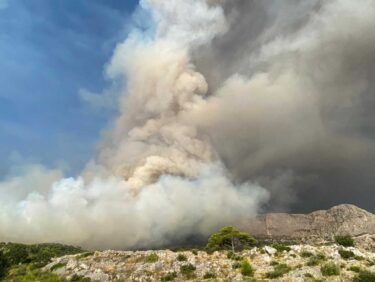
x,y
319,225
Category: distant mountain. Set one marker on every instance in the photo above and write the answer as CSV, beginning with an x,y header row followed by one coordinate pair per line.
x,y
319,225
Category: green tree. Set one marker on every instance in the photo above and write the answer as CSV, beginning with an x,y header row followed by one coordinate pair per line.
x,y
229,238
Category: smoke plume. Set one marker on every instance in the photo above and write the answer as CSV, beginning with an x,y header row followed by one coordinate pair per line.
x,y
226,106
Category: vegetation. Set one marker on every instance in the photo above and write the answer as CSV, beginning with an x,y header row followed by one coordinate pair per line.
x,y
233,256
306,254
355,269
3,264
278,271
79,278
20,260
344,240
209,275
316,259
188,271
152,258
246,268
229,238
329,269
26,273
181,257
365,276
236,265
346,254
170,276
280,247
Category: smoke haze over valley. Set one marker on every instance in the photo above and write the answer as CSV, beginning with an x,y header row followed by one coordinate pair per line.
x,y
224,109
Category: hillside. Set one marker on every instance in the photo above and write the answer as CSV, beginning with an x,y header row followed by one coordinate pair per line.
x,y
291,247
299,263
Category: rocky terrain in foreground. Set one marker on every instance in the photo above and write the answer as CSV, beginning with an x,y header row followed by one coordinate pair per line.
x,y
294,263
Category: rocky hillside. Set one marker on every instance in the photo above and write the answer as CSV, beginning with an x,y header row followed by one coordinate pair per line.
x,y
316,226
294,263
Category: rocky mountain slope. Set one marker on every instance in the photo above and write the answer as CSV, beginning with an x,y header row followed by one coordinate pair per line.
x,y
316,226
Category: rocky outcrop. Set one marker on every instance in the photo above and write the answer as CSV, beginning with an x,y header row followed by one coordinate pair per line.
x,y
318,225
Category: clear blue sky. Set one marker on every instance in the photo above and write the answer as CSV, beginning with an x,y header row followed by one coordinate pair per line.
x,y
49,50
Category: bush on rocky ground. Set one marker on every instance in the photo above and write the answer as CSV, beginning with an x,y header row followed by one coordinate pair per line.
x,y
344,240
329,269
278,271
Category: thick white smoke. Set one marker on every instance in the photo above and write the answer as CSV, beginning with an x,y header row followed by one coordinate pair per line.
x,y
157,179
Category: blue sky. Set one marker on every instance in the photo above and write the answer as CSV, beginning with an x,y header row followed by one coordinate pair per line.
x,y
49,51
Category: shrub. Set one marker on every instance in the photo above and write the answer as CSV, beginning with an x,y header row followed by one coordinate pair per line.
x,y
279,270
280,247
233,256
329,269
306,254
170,276
365,276
273,263
181,257
344,240
355,269
236,265
316,259
3,264
152,258
209,275
346,254
79,278
57,266
246,269
195,252
229,238
188,270
308,275
39,254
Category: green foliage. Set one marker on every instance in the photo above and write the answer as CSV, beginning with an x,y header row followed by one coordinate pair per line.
x,y
209,275
170,276
278,271
152,258
344,240
306,254
346,254
181,257
355,269
273,263
194,251
233,256
329,269
280,247
57,266
308,275
365,276
316,259
79,278
229,238
236,265
39,254
188,271
246,268
85,255
3,264
27,273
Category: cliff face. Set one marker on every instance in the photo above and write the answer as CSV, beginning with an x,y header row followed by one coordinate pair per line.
x,y
322,224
